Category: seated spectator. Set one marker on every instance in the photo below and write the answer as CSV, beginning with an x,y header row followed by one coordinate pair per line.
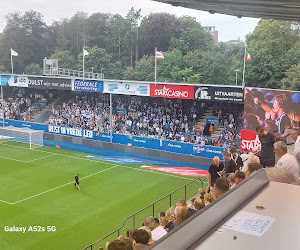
x,y
183,204
222,185
156,231
199,204
214,172
140,236
161,214
231,179
252,159
239,177
163,221
119,245
170,216
252,167
181,214
139,246
192,203
209,198
286,161
201,193
147,229
281,175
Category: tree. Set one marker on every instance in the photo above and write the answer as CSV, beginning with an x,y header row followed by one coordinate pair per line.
x,y
292,78
98,59
65,59
33,69
268,46
192,36
25,33
156,30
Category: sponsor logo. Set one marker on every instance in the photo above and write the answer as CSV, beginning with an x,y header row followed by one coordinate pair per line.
x,y
90,85
202,93
127,86
172,91
250,140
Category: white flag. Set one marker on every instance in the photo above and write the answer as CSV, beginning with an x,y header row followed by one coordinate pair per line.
x,y
13,53
85,53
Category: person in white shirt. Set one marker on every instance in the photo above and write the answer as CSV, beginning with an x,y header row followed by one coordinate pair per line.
x,y
286,161
295,134
156,231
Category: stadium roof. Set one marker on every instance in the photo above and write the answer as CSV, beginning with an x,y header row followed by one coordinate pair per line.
x,y
270,9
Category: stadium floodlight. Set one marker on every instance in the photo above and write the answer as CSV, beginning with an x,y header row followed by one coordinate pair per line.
x,y
34,138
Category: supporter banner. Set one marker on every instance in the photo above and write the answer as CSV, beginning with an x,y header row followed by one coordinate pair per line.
x,y
172,91
212,120
212,93
250,140
49,83
126,88
87,85
274,109
18,81
71,131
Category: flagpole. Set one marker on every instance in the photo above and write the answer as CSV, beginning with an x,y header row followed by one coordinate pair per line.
x,y
155,64
83,63
11,62
243,82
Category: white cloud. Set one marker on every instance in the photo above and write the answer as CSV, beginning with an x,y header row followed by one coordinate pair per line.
x,y
229,27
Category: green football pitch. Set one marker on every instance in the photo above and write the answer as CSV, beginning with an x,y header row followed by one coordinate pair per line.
x,y
37,192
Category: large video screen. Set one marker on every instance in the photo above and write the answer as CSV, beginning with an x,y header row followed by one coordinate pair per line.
x,y
275,109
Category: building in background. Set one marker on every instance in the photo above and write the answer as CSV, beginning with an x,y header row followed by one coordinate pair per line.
x,y
212,30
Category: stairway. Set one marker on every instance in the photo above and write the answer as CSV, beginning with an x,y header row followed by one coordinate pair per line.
x,y
202,120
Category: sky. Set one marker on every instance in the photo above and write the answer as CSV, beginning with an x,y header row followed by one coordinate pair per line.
x,y
229,27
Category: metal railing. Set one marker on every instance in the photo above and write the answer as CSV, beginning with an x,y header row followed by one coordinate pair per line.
x,y
162,204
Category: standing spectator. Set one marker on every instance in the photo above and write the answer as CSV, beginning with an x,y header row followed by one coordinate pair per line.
x,y
245,156
237,159
214,171
286,161
267,155
230,166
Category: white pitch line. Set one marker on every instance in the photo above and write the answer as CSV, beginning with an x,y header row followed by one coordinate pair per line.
x,y
6,202
59,186
39,158
7,158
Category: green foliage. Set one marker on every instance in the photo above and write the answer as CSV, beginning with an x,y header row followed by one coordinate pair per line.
x,y
65,59
33,69
292,78
272,48
123,48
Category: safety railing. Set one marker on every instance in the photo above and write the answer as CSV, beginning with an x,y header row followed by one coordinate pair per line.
x,y
185,192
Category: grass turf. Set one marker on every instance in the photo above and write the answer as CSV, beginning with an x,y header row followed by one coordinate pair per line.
x,y
37,189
